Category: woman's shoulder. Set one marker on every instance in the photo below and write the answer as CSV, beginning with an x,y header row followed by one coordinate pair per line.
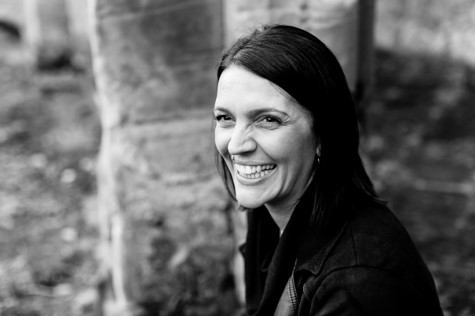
x,y
378,238
375,237
363,290
374,263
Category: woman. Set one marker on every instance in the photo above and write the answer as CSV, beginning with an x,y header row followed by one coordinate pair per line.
x,y
319,240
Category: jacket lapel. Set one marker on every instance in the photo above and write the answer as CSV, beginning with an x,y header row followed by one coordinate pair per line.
x,y
269,261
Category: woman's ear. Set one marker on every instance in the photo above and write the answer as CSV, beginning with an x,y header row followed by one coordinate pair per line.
x,y
318,151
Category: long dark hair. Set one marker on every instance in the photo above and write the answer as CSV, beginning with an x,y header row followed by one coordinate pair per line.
x,y
307,70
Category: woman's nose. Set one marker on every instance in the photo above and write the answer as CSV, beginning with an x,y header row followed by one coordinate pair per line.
x,y
241,141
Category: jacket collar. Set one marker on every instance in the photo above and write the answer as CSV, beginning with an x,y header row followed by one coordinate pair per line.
x,y
270,260
315,248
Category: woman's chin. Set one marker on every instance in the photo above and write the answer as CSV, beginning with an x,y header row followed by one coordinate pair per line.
x,y
250,205
249,202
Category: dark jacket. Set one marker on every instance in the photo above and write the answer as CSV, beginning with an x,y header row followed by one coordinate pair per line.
x,y
367,265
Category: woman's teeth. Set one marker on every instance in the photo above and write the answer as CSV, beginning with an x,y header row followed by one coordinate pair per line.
x,y
253,172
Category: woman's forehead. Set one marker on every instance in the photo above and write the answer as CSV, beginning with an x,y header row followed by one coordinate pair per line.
x,y
239,87
237,77
237,84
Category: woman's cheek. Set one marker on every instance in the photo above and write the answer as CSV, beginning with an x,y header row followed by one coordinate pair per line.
x,y
221,141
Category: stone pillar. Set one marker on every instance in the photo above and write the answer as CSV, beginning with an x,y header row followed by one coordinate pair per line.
x,y
344,25
46,31
165,239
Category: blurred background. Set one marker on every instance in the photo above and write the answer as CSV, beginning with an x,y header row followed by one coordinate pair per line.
x,y
109,202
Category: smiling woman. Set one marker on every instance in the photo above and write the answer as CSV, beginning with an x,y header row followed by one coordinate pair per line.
x,y
319,239
254,119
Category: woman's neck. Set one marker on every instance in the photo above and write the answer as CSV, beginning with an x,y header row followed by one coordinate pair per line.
x,y
281,215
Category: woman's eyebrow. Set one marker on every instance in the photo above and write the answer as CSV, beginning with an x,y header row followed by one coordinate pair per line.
x,y
220,109
259,111
255,112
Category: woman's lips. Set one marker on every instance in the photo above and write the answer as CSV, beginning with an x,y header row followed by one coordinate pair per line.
x,y
254,172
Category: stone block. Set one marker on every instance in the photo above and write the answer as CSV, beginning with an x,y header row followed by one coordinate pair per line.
x,y
168,55
170,239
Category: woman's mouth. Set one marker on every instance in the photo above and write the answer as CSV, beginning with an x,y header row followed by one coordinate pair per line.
x,y
255,171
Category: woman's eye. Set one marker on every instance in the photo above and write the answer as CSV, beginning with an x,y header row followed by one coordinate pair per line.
x,y
269,121
222,117
224,120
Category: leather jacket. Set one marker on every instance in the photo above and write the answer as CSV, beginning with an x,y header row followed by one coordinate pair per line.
x,y
366,265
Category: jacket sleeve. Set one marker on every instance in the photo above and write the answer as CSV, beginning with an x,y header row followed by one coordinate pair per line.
x,y
357,291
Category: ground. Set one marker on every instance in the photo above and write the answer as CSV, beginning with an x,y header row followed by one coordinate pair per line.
x,y
418,143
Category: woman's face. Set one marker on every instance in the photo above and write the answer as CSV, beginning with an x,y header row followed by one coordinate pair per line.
x,y
266,139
